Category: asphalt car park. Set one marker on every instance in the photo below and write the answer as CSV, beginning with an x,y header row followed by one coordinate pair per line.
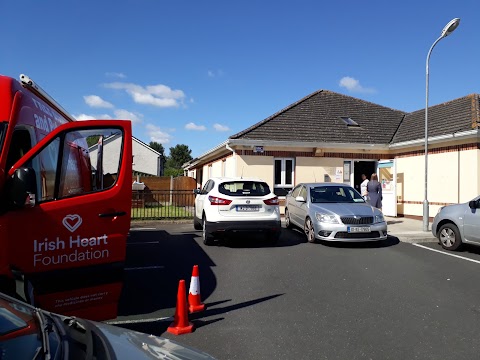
x,y
467,252
380,300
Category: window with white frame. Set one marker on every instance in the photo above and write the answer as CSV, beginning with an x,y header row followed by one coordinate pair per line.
x,y
283,175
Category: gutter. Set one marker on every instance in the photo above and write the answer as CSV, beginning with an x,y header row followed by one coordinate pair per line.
x,y
250,142
234,154
437,139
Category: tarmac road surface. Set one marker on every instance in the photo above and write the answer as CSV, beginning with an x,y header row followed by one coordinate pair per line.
x,y
295,300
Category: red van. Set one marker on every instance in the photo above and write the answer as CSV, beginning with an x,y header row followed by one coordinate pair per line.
x,y
64,216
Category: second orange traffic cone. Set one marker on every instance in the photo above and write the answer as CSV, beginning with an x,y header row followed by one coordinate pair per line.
x,y
180,323
194,298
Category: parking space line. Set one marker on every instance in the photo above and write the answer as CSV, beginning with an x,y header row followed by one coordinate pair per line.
x,y
444,253
145,268
139,321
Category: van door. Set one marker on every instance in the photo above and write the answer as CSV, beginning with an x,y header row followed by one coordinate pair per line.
x,y
69,240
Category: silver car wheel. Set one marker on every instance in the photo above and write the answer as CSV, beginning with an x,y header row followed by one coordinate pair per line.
x,y
309,230
288,223
449,237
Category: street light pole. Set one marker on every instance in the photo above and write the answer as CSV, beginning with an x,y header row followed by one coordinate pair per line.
x,y
447,30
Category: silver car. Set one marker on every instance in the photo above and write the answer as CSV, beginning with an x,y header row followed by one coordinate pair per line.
x,y
333,212
31,333
457,224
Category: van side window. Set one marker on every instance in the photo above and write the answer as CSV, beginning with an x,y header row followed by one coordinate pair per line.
x,y
70,165
48,170
76,171
19,146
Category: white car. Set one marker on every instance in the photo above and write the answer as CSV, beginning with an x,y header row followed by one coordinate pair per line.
x,y
227,205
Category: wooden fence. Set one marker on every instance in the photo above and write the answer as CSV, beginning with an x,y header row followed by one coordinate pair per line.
x,y
164,198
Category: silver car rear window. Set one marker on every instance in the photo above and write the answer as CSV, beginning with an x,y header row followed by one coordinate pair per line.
x,y
244,188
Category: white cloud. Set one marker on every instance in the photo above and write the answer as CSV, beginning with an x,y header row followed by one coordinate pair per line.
x,y
119,114
219,127
215,73
81,117
192,126
353,85
156,134
97,102
156,95
116,75
128,115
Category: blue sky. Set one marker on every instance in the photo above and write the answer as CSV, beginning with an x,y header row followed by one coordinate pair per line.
x,y
196,72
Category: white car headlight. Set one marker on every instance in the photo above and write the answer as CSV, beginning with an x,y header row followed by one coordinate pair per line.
x,y
326,218
379,218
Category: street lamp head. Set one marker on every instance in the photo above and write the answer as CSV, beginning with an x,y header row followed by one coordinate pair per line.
x,y
450,27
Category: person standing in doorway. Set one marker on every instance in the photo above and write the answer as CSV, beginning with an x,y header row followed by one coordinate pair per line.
x,y
374,189
363,187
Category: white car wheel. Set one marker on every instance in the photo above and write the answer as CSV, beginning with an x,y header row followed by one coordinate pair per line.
x,y
207,237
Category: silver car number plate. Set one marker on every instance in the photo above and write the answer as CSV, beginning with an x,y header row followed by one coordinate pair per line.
x,y
248,208
358,229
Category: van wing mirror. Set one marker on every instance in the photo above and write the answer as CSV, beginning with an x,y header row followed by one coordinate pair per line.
x,y
197,191
23,186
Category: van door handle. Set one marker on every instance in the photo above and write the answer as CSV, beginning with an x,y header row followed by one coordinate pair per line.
x,y
113,214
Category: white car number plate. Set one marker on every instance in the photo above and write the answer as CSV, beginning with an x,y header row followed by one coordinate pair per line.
x,y
358,229
247,207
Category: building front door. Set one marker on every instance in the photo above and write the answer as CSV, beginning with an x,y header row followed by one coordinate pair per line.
x,y
387,178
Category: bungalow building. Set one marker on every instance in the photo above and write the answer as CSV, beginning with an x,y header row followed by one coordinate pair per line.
x,y
330,137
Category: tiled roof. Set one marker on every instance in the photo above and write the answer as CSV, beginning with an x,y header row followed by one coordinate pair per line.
x,y
317,118
453,116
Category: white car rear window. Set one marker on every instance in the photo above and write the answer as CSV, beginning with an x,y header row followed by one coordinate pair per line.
x,y
244,188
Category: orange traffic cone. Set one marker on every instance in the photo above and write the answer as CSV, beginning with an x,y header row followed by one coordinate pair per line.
x,y
194,298
180,323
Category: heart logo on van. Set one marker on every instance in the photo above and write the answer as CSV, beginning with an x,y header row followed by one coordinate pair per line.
x,y
72,222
